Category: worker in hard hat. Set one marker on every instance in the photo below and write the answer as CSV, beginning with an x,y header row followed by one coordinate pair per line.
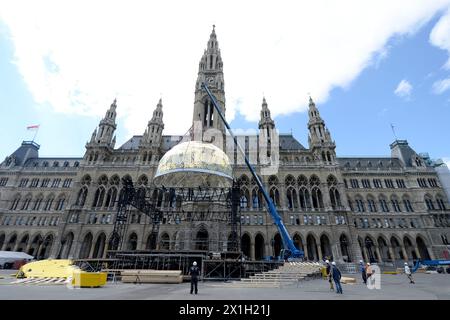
x,y
362,269
194,271
336,274
329,275
408,273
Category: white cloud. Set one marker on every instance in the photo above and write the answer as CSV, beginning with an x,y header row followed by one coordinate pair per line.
x,y
441,86
447,161
78,56
440,35
403,89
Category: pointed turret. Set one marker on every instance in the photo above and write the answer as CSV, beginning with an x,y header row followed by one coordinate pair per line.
x,y
106,127
266,120
153,133
320,142
211,72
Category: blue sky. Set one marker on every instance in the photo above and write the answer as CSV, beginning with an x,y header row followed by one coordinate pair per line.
x,y
357,106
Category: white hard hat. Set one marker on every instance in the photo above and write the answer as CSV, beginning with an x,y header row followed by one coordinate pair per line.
x,y
195,263
368,263
333,263
360,261
406,263
327,261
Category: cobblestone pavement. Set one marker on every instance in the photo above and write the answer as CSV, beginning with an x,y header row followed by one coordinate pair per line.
x,y
428,286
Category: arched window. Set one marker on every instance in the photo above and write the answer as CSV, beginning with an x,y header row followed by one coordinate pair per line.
x,y
317,200
60,203
429,202
81,198
371,204
383,203
440,202
15,203
99,197
335,198
395,204
305,200
244,201
407,204
275,196
359,204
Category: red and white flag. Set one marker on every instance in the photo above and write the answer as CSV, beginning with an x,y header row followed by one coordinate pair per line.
x,y
32,127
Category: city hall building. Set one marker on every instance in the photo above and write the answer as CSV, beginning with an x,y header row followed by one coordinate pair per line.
x,y
380,209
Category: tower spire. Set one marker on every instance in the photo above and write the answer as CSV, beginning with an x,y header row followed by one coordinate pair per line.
x,y
319,137
210,71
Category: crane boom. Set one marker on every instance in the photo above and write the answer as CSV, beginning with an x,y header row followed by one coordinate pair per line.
x,y
290,249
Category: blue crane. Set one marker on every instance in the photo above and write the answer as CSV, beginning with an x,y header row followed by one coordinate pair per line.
x,y
290,250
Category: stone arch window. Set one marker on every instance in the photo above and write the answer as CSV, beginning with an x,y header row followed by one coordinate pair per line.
x,y
86,180
60,203
244,203
407,204
314,181
99,197
38,202
49,202
440,202
317,200
15,203
256,198
275,196
359,201
132,241
289,181
81,197
273,181
395,203
302,180
66,164
26,202
111,197
143,180
55,164
383,203
76,164
291,197
371,204
305,199
429,202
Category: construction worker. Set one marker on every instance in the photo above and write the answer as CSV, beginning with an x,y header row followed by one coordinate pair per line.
x,y
336,274
408,273
362,269
194,271
329,275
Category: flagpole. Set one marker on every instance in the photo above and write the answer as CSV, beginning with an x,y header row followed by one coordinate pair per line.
x,y
35,134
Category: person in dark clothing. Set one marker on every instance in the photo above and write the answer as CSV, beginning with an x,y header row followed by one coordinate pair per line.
x,y
336,277
362,269
194,271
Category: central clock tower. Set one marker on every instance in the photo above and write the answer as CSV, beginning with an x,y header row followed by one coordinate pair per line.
x,y
210,71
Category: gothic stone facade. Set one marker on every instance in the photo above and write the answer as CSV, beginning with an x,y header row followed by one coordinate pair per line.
x,y
384,209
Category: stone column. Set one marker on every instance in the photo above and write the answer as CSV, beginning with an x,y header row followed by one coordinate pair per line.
x,y
380,256
392,253
319,252
416,249
405,254
252,249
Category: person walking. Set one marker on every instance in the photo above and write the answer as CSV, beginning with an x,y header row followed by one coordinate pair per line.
x,y
408,273
336,277
194,271
362,269
329,275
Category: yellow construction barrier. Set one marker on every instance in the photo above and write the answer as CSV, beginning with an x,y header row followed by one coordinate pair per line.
x,y
62,269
